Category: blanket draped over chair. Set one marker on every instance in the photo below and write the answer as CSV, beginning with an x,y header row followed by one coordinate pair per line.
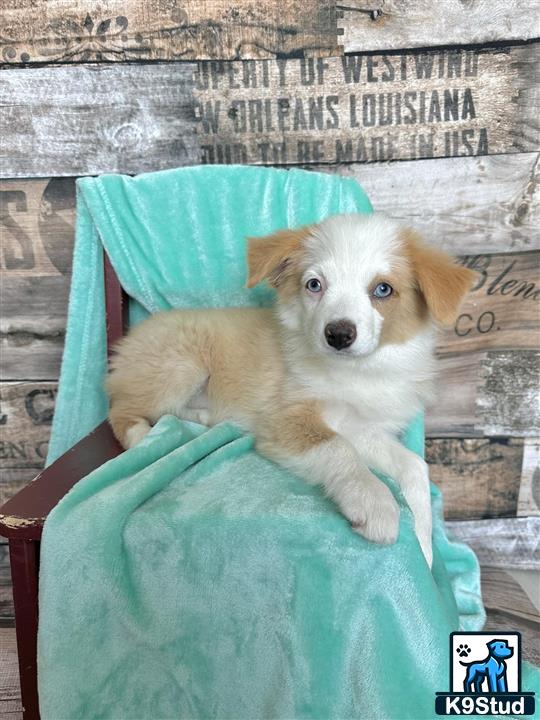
x,y
189,577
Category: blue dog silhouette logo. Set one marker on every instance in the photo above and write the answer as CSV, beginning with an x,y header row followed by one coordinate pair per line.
x,y
485,676
491,669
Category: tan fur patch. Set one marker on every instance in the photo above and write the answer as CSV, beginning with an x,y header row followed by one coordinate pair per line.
x,y
442,283
297,429
273,257
405,311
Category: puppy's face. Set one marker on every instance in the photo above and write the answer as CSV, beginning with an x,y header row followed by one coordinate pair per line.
x,y
356,282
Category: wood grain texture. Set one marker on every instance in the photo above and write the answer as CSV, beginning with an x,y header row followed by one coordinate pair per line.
x,y
482,394
464,205
37,217
26,411
75,31
90,119
381,24
37,220
512,543
27,356
368,108
6,596
478,478
503,308
362,108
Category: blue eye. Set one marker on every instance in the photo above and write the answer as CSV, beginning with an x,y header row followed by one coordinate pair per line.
x,y
314,285
383,290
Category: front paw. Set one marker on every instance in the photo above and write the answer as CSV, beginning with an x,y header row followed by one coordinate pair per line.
x,y
377,516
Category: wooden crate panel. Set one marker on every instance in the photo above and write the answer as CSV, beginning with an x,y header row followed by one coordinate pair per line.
x,y
26,412
381,24
38,216
368,108
37,219
512,543
478,478
361,108
90,119
502,309
6,596
492,393
75,31
464,205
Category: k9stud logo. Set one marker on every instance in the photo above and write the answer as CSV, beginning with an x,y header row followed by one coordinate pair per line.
x,y
485,676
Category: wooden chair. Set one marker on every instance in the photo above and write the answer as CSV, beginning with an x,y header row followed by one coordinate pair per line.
x,y
23,516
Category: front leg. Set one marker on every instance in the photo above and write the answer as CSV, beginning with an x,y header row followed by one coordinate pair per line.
x,y
384,453
299,440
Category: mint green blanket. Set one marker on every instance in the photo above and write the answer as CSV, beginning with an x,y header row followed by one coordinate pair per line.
x,y
189,577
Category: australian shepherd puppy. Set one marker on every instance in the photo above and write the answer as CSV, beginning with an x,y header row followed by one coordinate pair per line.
x,y
327,378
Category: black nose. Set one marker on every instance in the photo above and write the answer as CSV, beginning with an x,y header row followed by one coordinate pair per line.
x,y
340,334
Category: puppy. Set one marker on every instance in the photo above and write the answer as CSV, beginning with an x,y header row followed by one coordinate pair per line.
x,y
326,379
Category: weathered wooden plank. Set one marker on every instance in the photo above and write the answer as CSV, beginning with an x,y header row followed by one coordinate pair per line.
x,y
34,304
502,309
38,216
26,411
14,479
492,393
382,24
529,491
27,356
75,31
513,543
464,205
6,596
479,478
367,108
357,108
97,118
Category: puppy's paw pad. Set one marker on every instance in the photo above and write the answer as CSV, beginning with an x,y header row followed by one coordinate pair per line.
x,y
463,650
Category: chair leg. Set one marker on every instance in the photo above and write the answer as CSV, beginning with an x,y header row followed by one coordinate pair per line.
x,y
24,558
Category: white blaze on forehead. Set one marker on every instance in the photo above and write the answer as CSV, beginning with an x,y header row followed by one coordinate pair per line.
x,y
361,246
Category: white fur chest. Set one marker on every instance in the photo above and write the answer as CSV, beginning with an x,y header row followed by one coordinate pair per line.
x,y
385,390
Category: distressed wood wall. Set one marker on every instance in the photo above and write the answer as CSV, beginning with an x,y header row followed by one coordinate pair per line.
x,y
432,107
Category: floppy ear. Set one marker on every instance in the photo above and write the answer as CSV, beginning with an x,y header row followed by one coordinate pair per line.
x,y
269,258
441,281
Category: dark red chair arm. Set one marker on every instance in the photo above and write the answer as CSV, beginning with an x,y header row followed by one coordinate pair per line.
x,y
23,516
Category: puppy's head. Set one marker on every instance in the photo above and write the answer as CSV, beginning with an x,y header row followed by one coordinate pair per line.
x,y
355,282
